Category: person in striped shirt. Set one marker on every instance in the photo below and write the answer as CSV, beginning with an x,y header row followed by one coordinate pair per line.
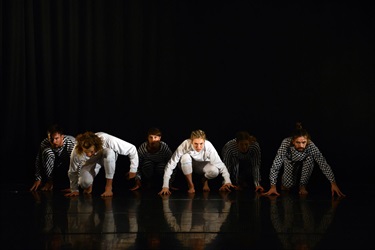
x,y
96,150
242,156
52,160
153,155
298,154
199,155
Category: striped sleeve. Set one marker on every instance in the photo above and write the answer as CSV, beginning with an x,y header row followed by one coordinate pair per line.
x,y
38,161
230,158
255,156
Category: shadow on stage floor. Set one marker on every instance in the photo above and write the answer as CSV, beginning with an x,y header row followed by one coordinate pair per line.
x,y
214,220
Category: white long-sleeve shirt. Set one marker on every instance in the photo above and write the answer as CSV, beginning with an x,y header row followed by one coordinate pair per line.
x,y
117,145
208,153
121,147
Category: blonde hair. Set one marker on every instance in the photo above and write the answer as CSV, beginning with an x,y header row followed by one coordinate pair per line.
x,y
197,134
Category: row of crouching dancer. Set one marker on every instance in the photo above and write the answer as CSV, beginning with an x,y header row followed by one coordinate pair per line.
x,y
154,164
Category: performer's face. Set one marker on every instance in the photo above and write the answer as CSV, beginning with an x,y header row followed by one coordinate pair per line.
x,y
243,146
154,141
89,151
300,143
56,140
198,144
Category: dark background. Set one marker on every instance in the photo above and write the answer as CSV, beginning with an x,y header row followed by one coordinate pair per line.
x,y
123,66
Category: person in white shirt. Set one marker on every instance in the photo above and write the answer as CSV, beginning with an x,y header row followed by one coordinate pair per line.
x,y
199,155
93,151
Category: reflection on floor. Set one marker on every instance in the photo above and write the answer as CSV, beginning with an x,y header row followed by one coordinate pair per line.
x,y
144,220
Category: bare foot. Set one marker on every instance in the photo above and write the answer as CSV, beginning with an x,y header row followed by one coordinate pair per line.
x,y
191,190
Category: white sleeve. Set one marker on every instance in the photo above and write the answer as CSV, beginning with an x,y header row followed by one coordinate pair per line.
x,y
121,147
74,170
172,163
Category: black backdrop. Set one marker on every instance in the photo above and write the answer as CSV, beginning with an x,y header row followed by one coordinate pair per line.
x,y
123,66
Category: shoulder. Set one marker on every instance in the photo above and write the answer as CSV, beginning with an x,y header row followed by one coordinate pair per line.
x,y
107,138
231,142
185,142
230,145
185,145
142,146
286,141
255,145
70,138
164,144
45,143
311,143
208,145
102,134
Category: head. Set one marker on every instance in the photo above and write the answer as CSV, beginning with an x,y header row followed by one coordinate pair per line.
x,y
55,136
198,137
154,137
244,140
300,137
88,143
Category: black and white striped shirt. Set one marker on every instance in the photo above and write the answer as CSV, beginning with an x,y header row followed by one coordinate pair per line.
x,y
232,157
62,154
163,155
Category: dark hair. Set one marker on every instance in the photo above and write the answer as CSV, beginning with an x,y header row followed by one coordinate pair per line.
x,y
244,135
154,131
55,128
299,131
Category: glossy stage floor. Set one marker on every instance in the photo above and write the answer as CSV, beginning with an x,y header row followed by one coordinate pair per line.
x,y
214,220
